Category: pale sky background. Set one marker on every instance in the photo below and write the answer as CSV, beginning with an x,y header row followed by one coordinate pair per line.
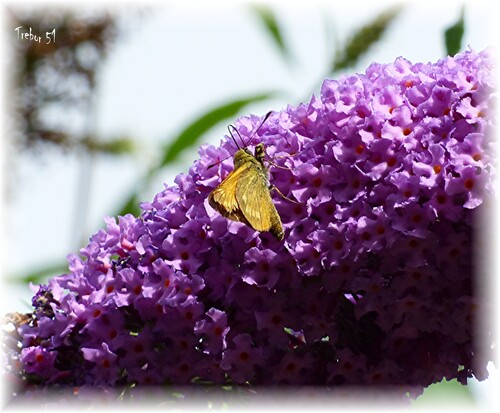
x,y
172,65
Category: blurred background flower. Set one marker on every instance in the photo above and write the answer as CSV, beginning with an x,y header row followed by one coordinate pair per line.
x,y
97,120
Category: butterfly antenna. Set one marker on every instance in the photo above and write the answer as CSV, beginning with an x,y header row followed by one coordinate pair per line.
x,y
232,136
252,136
231,128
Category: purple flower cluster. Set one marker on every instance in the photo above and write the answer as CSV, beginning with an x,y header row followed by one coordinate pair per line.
x,y
373,283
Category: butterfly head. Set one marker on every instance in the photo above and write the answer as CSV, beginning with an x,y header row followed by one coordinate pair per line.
x,y
260,152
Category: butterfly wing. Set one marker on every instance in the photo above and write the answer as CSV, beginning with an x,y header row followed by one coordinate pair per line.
x,y
244,196
254,200
223,197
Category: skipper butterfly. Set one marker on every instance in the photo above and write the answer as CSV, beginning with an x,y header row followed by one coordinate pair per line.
x,y
244,196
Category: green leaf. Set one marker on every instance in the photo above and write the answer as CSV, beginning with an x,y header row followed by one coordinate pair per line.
x,y
454,34
360,42
447,394
188,137
268,20
191,135
40,275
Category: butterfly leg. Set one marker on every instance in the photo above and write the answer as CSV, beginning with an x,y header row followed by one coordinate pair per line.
x,y
271,187
288,155
270,162
279,166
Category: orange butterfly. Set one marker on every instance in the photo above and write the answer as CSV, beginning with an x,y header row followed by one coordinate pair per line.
x,y
244,195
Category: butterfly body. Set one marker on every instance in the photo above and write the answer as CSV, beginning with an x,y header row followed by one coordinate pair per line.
x,y
244,195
